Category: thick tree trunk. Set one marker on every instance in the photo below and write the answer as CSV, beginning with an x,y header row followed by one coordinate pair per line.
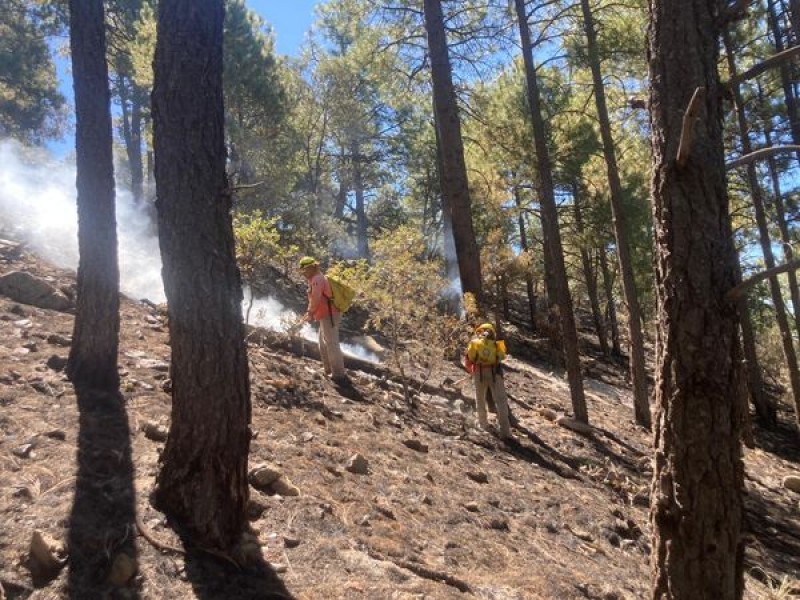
x,y
92,362
611,309
203,478
455,186
523,242
696,499
757,194
589,273
550,222
641,398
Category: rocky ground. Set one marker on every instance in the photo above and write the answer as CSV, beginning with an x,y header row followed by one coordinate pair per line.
x,y
354,496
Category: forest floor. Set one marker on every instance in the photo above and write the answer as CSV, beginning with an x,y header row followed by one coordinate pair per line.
x,y
442,509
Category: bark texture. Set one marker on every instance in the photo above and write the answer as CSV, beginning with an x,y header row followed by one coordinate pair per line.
x,y
553,245
453,172
92,359
203,477
696,509
641,398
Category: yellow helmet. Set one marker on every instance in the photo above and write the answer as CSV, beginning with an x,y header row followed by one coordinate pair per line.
x,y
307,261
486,327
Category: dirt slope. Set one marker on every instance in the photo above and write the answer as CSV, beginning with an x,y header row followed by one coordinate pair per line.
x,y
443,510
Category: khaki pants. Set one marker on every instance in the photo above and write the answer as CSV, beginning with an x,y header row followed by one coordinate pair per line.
x,y
329,349
484,381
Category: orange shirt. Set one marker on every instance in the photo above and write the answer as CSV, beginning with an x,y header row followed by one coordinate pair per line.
x,y
319,290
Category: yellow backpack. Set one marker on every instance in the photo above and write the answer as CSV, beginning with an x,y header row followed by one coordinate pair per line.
x,y
485,351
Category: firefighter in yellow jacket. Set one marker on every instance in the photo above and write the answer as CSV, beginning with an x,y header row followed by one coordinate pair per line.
x,y
484,355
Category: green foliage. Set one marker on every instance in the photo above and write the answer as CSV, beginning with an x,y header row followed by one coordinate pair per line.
x,y
403,291
259,243
31,107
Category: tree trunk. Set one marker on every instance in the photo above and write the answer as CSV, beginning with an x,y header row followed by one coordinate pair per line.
x,y
523,242
783,227
588,272
454,183
794,19
764,238
611,310
550,223
765,409
696,499
92,362
785,70
203,477
641,398
132,134
361,211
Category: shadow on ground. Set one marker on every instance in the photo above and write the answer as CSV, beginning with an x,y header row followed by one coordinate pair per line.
x,y
102,533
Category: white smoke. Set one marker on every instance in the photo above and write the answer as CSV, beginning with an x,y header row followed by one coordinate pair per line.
x,y
38,206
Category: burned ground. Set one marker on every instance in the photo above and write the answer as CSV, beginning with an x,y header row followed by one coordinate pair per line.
x,y
436,509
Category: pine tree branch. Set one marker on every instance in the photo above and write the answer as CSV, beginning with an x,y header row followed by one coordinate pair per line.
x,y
769,63
745,285
762,153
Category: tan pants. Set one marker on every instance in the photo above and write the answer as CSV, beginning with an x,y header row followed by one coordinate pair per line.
x,y
484,381
329,349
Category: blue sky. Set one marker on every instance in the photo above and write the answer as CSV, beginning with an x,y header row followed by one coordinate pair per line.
x,y
290,20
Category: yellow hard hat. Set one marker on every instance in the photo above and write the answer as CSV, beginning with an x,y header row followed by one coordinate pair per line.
x,y
307,261
486,327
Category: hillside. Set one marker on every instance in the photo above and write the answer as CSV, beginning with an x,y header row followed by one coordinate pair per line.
x,y
437,509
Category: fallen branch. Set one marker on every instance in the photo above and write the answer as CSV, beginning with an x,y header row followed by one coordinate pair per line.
x,y
422,571
687,130
763,153
155,542
745,285
772,61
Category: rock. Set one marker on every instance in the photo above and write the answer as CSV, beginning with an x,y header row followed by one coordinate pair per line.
x,y
56,434
42,387
59,340
358,465
122,569
472,506
306,437
574,425
23,451
262,476
279,567
478,476
792,482
548,413
416,444
284,487
290,542
155,431
31,347
155,365
56,362
46,557
255,508
498,523
28,289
